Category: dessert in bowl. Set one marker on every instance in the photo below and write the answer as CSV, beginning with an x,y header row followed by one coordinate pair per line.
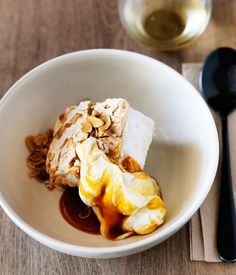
x,y
183,155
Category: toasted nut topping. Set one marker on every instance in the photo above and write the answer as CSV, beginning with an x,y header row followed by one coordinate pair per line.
x,y
44,151
30,164
41,161
72,107
69,142
59,133
35,172
35,156
75,171
87,127
63,117
29,141
94,113
49,135
40,140
64,143
107,120
82,137
38,146
50,155
42,176
100,134
75,118
94,133
67,125
95,121
130,165
46,140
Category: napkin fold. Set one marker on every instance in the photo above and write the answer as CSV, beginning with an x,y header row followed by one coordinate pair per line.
x,y
203,225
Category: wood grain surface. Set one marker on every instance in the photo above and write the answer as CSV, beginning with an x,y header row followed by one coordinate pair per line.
x,y
33,31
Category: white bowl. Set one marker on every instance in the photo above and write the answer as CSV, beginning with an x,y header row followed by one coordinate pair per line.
x,y
183,155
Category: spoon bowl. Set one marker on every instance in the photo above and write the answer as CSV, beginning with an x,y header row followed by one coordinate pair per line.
x,y
218,80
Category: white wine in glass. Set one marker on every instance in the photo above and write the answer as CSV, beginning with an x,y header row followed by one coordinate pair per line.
x,y
165,24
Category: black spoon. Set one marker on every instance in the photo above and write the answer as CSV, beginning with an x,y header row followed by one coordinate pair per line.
x,y
218,82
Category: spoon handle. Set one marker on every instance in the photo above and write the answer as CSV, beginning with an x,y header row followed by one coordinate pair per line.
x,y
226,231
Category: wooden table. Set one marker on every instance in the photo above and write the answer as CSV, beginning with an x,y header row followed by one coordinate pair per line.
x,y
33,31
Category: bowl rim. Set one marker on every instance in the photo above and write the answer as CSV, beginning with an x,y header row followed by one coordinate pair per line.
x,y
139,244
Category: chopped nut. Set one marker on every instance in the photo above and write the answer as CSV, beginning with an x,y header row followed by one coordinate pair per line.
x,y
64,143
44,151
75,171
36,161
70,142
59,133
95,121
72,107
94,113
67,125
39,139
41,161
35,172
29,141
82,137
50,155
50,135
94,133
130,165
87,127
109,133
30,164
114,153
107,120
71,163
75,118
100,134
42,176
58,157
35,156
63,117
46,139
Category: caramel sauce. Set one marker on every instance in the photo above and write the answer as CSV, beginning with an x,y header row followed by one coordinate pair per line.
x,y
82,217
130,165
78,214
113,219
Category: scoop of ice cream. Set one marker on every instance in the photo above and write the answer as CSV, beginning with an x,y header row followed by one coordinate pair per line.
x,y
123,202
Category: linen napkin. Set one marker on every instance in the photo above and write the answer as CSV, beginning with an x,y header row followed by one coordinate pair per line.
x,y
203,225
